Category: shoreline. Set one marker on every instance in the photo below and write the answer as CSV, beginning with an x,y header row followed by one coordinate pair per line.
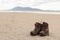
x,y
37,12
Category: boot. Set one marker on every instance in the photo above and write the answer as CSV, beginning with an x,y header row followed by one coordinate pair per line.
x,y
44,29
36,30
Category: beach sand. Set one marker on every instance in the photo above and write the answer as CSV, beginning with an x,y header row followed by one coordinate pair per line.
x,y
17,26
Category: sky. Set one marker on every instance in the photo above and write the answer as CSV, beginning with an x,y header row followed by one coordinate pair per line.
x,y
40,4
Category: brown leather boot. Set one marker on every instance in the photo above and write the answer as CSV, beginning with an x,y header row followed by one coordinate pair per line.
x,y
44,29
36,30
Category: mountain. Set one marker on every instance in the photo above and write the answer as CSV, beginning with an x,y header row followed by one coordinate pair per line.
x,y
30,9
24,9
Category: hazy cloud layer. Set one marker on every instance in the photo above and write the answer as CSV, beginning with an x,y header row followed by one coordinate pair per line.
x,y
8,4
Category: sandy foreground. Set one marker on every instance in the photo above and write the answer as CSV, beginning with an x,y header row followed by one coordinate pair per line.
x,y
17,26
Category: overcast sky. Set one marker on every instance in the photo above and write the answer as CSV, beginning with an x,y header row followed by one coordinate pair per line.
x,y
8,4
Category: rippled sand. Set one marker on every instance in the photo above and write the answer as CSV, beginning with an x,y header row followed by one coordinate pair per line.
x,y
17,25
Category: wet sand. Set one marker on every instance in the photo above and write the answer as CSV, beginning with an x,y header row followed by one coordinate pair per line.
x,y
17,25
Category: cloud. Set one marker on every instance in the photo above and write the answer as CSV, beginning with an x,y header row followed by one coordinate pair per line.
x,y
8,4
50,6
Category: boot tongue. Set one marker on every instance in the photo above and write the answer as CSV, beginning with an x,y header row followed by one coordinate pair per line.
x,y
41,22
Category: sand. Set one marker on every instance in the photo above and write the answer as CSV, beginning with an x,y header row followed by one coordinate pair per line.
x,y
17,26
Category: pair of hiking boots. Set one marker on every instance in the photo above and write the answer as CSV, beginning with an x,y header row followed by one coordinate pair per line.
x,y
40,29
